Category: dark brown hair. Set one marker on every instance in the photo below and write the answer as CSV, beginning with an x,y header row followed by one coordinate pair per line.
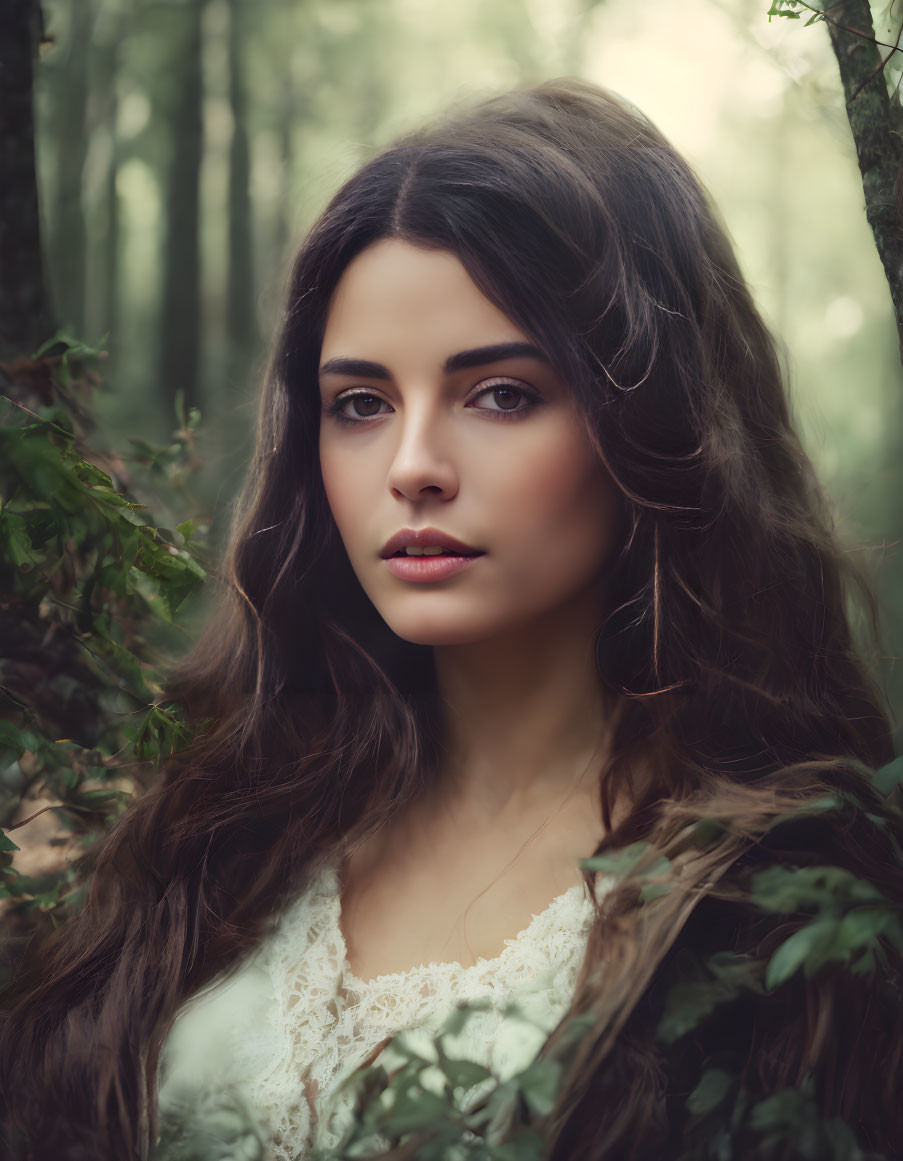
x,y
726,641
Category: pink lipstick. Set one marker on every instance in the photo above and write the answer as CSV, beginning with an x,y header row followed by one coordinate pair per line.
x,y
428,568
427,563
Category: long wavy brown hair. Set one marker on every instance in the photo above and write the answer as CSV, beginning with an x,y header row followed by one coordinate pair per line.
x,y
726,643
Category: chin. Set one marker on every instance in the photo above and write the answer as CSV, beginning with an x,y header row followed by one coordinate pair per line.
x,y
445,636
439,630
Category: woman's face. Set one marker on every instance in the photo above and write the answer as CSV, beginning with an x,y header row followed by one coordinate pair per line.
x,y
430,431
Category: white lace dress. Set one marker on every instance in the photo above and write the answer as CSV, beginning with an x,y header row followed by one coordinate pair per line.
x,y
271,1045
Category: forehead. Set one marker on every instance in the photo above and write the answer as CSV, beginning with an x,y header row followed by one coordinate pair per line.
x,y
394,294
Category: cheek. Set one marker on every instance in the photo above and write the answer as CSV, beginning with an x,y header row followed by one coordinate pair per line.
x,y
565,496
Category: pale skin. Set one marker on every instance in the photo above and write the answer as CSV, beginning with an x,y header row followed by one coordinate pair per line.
x,y
525,719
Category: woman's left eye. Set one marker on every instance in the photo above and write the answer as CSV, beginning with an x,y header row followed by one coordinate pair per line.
x,y
337,408
503,393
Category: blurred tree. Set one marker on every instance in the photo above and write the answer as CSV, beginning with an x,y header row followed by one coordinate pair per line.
x,y
241,307
180,317
25,315
286,116
69,237
103,117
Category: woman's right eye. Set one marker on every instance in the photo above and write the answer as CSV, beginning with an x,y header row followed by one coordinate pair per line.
x,y
338,407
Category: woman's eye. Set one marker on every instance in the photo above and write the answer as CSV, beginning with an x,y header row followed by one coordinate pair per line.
x,y
507,396
363,403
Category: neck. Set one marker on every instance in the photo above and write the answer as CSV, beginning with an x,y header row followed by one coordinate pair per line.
x,y
525,717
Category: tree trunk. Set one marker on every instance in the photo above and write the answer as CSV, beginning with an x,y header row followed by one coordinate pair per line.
x,y
106,298
25,314
290,113
876,122
69,252
241,309
179,369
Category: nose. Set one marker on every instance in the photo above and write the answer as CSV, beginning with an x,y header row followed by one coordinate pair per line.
x,y
422,461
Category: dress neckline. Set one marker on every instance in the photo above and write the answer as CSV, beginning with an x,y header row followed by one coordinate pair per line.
x,y
441,967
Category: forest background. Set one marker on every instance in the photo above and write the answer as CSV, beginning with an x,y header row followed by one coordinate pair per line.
x,y
184,146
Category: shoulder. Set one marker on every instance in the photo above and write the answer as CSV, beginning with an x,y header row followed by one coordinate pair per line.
x,y
219,1043
209,1027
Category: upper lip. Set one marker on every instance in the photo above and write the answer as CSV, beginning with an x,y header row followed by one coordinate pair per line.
x,y
425,538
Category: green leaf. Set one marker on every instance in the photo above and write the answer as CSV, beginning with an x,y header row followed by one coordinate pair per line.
x,y
70,778
787,1110
525,1146
714,1085
888,778
46,900
87,472
792,889
843,1141
440,1148
459,1016
688,1003
417,1109
808,947
463,1073
98,799
863,964
862,926
159,733
821,805
19,886
539,1085
651,891
623,862
500,1108
125,664
15,543
780,8
13,744
707,831
6,843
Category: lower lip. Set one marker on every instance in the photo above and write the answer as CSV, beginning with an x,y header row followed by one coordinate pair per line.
x,y
428,568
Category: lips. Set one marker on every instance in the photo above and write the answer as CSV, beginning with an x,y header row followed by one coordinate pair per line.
x,y
427,538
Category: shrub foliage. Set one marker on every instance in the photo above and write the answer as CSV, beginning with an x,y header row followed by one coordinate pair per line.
x,y
91,582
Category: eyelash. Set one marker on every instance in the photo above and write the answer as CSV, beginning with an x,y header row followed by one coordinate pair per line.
x,y
334,409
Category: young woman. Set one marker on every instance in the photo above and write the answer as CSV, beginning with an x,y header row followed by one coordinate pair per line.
x,y
520,337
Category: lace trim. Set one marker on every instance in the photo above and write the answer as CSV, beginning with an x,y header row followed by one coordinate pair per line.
x,y
445,967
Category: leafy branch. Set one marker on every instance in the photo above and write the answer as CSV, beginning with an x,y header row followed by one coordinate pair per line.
x,y
790,9
92,589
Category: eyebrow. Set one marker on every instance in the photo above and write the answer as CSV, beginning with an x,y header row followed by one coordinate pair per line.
x,y
477,357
